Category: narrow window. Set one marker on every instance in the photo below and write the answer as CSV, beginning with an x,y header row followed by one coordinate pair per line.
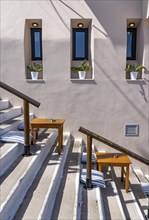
x,y
131,43
80,44
36,43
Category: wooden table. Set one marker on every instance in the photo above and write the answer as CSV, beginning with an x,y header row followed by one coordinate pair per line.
x,y
114,159
37,123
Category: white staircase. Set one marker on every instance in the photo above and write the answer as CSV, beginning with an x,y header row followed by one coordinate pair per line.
x,y
4,104
9,113
10,116
46,185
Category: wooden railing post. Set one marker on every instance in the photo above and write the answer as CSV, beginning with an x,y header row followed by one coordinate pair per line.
x,y
89,163
26,130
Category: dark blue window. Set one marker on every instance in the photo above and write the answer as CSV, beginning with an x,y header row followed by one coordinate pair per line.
x,y
131,43
36,43
80,44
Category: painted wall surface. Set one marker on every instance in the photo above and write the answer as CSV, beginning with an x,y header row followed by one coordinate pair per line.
x,y
103,105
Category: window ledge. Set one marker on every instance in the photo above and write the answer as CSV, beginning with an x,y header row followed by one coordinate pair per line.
x,y
130,80
138,81
34,81
135,80
82,79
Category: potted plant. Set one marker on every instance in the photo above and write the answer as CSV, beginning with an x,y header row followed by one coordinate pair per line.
x,y
85,66
133,70
35,69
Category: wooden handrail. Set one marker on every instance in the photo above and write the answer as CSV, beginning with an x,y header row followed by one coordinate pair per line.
x,y
90,136
26,100
19,94
114,145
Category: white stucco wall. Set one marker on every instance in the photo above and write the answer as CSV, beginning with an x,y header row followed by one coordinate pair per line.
x,y
103,105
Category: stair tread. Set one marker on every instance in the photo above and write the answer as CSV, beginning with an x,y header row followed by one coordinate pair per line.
x,y
112,203
4,100
10,109
36,196
67,195
141,176
138,192
128,200
9,113
91,204
4,104
4,147
92,200
13,178
12,187
16,174
10,121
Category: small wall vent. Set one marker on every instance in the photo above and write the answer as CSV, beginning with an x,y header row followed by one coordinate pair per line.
x,y
131,130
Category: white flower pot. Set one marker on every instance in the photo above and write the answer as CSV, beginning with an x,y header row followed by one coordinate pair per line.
x,y
82,74
34,75
133,75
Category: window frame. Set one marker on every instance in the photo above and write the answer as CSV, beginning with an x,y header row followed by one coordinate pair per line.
x,y
33,30
134,42
74,31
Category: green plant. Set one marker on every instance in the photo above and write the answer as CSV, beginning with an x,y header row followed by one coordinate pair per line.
x,y
85,66
134,68
35,67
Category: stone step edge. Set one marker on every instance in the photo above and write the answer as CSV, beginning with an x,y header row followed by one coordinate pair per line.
x,y
101,202
13,123
99,195
70,184
32,206
79,187
97,191
9,157
48,204
138,209
140,172
17,194
4,104
117,193
138,198
10,113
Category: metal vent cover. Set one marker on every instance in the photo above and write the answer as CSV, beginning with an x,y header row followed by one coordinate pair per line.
x,y
131,130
